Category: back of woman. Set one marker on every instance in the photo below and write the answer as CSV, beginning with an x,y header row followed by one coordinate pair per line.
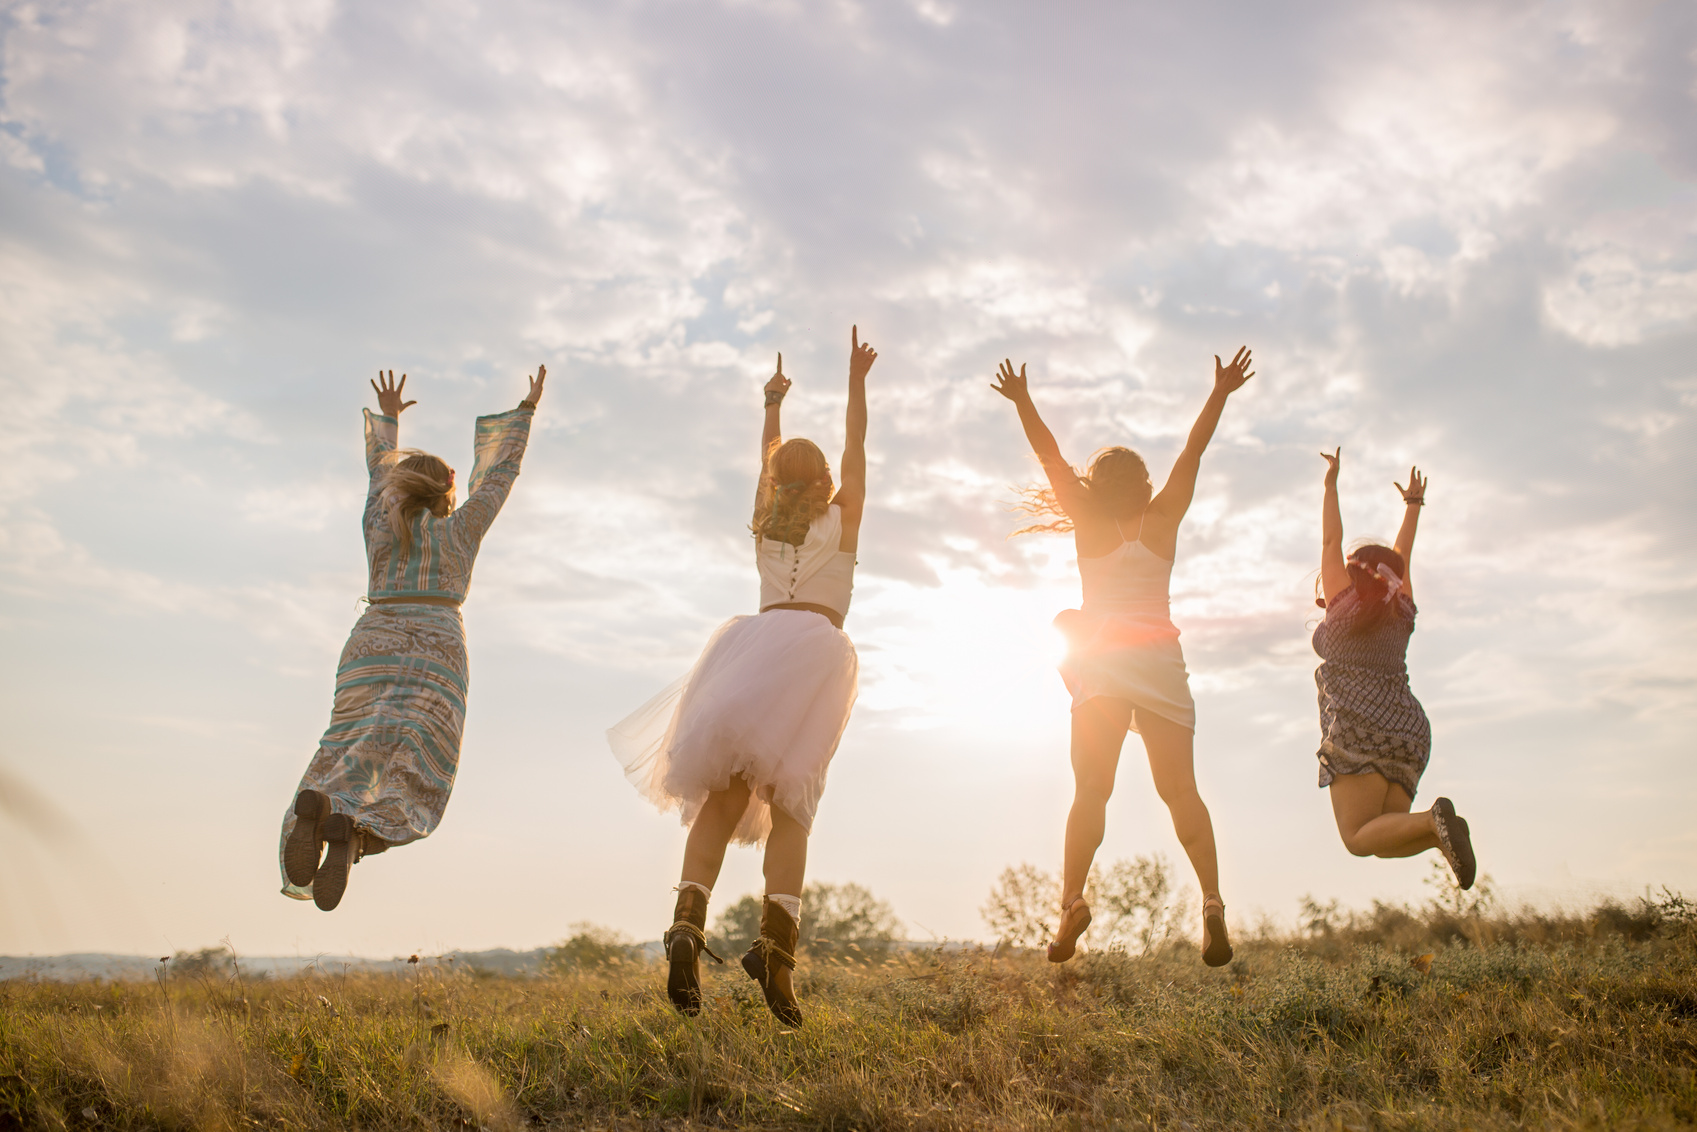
x,y
386,763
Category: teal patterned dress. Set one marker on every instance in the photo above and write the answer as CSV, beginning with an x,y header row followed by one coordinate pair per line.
x,y
393,745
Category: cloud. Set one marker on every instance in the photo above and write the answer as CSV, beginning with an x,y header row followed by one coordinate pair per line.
x,y
1468,243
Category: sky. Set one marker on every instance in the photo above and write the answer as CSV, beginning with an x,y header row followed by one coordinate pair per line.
x,y
1457,235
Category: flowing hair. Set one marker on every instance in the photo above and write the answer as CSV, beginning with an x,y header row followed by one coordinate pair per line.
x,y
795,489
1372,589
1117,486
416,481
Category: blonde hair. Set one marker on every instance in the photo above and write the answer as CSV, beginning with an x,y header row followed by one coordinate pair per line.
x,y
795,489
416,481
1117,486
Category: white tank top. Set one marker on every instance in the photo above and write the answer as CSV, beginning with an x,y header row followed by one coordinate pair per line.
x,y
1130,580
818,572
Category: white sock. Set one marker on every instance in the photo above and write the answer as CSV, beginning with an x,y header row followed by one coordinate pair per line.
x,y
790,904
705,891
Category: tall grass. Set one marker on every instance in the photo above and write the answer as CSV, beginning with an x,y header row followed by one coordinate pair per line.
x,y
1566,1022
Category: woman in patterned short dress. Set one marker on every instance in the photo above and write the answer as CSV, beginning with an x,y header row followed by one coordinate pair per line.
x,y
386,763
1375,739
1124,667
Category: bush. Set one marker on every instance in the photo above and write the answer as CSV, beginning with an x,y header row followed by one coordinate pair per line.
x,y
844,921
591,948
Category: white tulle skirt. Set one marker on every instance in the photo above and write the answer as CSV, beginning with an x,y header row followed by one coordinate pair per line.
x,y
767,701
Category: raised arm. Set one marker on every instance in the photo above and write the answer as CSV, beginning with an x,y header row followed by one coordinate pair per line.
x,y
383,430
498,447
1069,493
771,435
1167,509
851,492
1413,498
1334,575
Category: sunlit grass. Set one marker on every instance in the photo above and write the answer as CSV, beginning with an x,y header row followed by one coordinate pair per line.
x,y
1578,1024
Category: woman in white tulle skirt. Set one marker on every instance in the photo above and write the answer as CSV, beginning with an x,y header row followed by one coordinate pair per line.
x,y
741,745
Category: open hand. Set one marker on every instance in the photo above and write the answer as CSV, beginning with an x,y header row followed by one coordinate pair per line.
x,y
1332,462
1229,379
535,394
861,355
1415,492
1010,384
779,383
389,394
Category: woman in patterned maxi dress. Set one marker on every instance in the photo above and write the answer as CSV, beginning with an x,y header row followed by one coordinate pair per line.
x,y
1375,739
386,763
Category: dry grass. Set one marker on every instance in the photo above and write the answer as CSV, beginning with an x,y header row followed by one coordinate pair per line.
x,y
1589,1028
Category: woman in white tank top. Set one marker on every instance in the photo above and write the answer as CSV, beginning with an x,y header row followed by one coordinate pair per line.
x,y
742,743
1124,667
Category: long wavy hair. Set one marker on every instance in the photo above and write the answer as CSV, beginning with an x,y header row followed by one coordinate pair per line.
x,y
795,489
416,481
1117,486
1371,587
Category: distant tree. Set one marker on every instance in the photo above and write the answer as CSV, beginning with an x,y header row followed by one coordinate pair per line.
x,y
208,962
591,947
1134,901
737,927
840,920
1023,906
847,921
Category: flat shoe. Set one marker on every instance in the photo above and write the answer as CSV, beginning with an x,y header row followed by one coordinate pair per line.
x,y
1455,840
331,880
301,852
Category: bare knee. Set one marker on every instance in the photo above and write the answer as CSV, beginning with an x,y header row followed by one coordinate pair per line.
x,y
1355,844
1093,791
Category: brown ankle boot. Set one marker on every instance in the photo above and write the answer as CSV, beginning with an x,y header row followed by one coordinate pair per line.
x,y
685,941
774,949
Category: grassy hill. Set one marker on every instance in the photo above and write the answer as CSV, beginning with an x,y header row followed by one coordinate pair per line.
x,y
1387,1019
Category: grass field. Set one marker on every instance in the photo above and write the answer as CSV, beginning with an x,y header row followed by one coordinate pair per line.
x,y
1513,1022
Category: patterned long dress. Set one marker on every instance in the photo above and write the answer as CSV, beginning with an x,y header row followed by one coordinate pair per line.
x,y
392,748
1370,721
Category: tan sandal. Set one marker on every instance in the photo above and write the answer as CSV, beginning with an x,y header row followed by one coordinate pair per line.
x,y
1072,926
1216,948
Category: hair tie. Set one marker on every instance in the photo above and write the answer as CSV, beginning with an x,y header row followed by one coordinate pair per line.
x,y
1393,584
796,486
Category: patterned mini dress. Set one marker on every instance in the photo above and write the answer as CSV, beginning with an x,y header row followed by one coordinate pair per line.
x,y
1370,722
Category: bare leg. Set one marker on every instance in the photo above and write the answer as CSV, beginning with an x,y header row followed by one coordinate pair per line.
x,y
1172,762
1373,817
704,852
1098,732
786,854
785,868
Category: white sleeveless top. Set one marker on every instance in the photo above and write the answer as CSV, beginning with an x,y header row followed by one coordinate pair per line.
x,y
1129,581
818,572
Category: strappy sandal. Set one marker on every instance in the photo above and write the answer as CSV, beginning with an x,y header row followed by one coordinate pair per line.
x,y
774,951
305,846
1216,948
1072,926
685,942
1455,840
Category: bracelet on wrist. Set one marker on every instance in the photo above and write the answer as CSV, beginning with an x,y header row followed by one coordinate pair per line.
x,y
774,397
1416,501
527,403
